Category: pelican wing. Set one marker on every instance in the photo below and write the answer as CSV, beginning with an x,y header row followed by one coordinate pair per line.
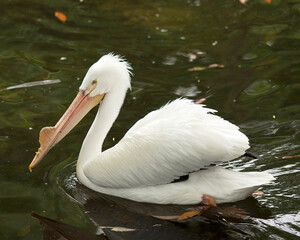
x,y
177,139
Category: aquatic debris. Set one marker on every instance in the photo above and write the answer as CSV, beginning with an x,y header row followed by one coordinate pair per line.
x,y
202,100
174,217
118,229
187,215
233,212
24,231
245,1
289,157
257,193
208,201
214,65
32,84
61,16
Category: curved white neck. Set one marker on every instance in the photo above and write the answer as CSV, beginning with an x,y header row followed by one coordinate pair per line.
x,y
107,113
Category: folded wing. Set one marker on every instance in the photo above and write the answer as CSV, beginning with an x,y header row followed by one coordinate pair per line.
x,y
177,139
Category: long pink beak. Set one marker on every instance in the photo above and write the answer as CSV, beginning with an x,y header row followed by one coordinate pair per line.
x,y
49,136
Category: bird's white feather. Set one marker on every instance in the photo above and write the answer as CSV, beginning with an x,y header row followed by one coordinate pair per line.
x,y
221,184
177,139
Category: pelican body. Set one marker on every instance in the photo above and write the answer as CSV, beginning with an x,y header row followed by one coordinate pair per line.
x,y
178,139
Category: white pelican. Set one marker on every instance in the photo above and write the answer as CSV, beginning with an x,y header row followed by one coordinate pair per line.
x,y
178,139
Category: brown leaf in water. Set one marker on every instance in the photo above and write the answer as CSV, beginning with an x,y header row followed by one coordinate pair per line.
x,y
214,65
257,193
187,215
233,212
289,157
196,69
243,1
208,200
61,16
200,101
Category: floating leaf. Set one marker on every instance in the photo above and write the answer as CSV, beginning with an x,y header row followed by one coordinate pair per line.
x,y
33,84
243,1
62,17
289,157
214,65
257,193
208,200
200,101
187,215
196,69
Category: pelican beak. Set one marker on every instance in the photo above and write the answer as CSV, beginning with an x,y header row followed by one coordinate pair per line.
x,y
49,136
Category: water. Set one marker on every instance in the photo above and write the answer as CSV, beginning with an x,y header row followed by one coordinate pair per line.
x,y
258,89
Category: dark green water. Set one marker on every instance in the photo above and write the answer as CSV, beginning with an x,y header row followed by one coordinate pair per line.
x,y
258,89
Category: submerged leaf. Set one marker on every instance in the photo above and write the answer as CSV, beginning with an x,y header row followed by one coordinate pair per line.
x,y
233,212
24,231
268,29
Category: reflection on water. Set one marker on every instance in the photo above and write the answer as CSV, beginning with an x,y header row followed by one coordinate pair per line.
x,y
258,89
133,220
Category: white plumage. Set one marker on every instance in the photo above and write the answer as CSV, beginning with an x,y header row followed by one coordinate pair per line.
x,y
177,139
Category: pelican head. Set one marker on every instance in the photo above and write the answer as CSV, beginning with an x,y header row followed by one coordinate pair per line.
x,y
108,73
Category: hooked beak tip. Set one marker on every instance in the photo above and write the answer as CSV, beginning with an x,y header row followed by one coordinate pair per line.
x,y
50,136
37,158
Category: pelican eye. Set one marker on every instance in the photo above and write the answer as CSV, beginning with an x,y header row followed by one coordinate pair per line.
x,y
94,82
